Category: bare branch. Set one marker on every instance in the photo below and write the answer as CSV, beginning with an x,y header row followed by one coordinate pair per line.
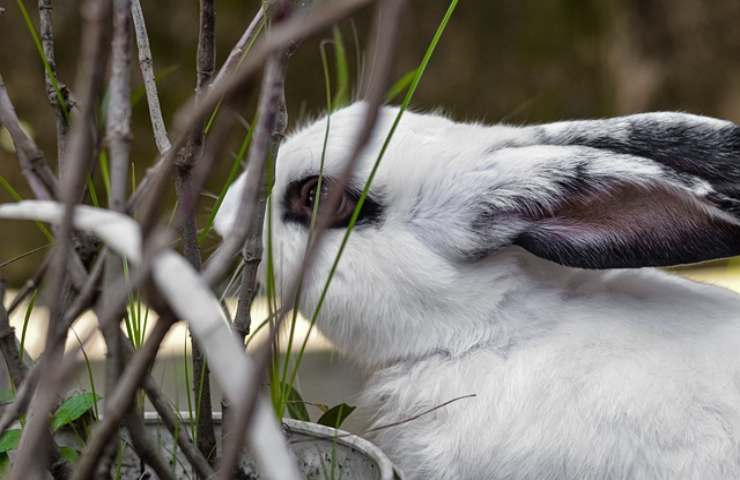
x,y
34,447
33,164
9,345
187,156
269,132
122,397
118,133
146,64
83,300
240,49
388,31
147,451
50,76
30,286
119,106
190,116
172,423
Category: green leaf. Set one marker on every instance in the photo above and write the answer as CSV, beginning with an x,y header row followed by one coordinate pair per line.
x,y
401,85
73,408
296,405
69,454
336,415
6,396
10,439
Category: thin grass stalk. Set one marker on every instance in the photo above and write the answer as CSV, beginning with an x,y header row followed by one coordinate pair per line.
x,y
363,195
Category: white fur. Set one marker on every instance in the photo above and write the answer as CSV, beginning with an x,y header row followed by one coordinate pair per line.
x,y
578,374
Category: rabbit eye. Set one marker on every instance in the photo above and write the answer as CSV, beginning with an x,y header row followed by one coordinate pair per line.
x,y
301,195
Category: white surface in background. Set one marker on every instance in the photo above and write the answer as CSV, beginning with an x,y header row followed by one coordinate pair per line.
x,y
173,344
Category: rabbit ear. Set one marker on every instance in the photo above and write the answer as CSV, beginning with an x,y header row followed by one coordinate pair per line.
x,y
703,147
646,190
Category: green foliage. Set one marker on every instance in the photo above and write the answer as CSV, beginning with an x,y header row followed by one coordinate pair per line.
x,y
69,454
6,396
26,321
336,415
295,404
73,408
10,440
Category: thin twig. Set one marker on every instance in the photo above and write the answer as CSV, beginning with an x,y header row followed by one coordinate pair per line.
x,y
148,452
146,64
269,132
122,397
187,156
29,287
33,164
171,422
237,53
46,31
375,96
82,302
34,167
118,136
34,446
194,113
9,345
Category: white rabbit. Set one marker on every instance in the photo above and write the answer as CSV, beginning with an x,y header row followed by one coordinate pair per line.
x,y
479,266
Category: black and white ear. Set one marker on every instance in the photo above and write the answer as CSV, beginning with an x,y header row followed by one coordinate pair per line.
x,y
646,190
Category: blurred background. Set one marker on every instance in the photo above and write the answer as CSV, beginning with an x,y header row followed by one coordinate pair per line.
x,y
519,62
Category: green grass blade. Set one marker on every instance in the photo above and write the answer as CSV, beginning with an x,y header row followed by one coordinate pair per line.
x,y
93,191
341,97
314,214
363,195
26,321
400,85
23,255
104,170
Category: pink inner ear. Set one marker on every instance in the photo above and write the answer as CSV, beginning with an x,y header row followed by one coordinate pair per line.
x,y
631,226
627,212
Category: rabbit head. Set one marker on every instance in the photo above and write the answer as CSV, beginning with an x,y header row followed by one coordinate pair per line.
x,y
454,207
